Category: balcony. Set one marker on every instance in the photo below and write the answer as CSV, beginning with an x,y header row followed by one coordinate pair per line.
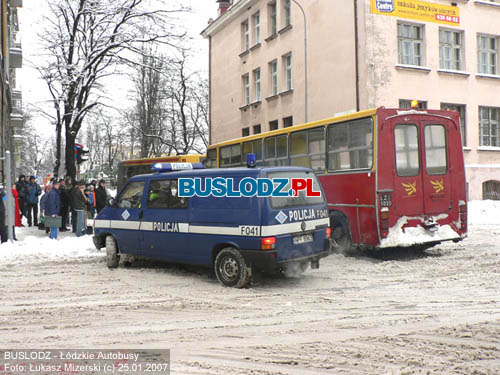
x,y
15,51
16,121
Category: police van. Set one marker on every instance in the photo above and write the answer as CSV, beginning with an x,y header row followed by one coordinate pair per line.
x,y
234,235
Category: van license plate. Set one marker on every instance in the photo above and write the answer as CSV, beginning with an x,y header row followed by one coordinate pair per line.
x,y
302,239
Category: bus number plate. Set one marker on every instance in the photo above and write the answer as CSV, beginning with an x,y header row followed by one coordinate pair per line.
x,y
302,239
385,200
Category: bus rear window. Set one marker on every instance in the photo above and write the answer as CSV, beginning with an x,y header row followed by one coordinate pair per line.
x,y
435,149
406,143
301,199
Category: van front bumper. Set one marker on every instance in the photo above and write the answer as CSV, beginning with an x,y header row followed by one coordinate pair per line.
x,y
266,260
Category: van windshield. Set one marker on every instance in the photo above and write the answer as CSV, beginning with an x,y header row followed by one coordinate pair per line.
x,y
301,199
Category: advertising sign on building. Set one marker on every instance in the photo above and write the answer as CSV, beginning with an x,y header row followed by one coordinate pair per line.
x,y
417,10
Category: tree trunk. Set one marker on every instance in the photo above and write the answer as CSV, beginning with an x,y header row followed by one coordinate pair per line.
x,y
70,156
57,164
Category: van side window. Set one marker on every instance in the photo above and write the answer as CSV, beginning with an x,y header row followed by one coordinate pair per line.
x,y
163,194
131,196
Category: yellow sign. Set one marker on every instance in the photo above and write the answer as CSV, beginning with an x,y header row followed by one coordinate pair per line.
x,y
417,10
438,185
410,188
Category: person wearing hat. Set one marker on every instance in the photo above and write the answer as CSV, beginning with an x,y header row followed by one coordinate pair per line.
x,y
33,191
101,196
79,203
53,207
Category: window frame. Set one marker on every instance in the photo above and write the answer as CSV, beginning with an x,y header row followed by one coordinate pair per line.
x,y
287,13
407,153
257,81
119,198
272,10
489,126
273,70
276,160
452,47
308,154
287,65
426,148
246,89
490,53
256,27
463,118
416,60
245,35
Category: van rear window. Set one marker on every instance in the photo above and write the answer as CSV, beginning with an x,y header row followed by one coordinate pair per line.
x,y
301,199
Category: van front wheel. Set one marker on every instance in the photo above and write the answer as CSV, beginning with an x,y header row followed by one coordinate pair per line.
x,y
112,256
231,268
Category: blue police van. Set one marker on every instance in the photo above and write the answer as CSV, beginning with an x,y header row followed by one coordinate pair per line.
x,y
234,235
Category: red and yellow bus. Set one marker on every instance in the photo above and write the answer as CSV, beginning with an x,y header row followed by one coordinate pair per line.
x,y
134,167
392,177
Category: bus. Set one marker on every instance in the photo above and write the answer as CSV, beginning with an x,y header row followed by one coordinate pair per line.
x,y
134,167
392,177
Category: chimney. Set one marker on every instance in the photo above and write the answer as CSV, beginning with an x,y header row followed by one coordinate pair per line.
x,y
223,6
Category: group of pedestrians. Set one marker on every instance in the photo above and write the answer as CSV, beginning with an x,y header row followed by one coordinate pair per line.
x,y
77,201
64,201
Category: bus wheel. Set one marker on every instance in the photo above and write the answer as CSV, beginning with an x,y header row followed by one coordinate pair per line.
x,y
231,268
112,256
340,231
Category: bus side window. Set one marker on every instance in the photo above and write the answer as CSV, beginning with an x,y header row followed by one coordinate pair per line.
x,y
211,161
270,151
276,150
317,148
350,145
253,147
298,149
230,156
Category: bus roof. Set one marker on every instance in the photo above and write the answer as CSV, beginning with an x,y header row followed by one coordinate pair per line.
x,y
329,120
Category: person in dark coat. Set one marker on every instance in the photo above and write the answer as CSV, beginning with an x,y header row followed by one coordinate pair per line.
x,y
21,190
33,191
101,196
79,201
53,207
65,188
3,226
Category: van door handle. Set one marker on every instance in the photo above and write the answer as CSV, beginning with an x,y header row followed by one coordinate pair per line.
x,y
141,214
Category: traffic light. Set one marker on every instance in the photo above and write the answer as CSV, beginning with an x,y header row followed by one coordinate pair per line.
x,y
80,153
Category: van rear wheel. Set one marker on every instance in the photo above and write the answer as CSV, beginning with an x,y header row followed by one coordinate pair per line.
x,y
112,256
231,268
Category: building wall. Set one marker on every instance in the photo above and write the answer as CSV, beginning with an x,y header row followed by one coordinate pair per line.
x,y
326,72
331,73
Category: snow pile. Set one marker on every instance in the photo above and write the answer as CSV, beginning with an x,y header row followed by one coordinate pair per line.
x,y
34,244
485,212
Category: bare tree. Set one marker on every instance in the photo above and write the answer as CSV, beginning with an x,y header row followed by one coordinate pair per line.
x,y
35,151
85,40
176,120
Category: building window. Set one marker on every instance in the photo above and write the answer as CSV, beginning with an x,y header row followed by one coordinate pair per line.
x,y
287,13
256,129
450,49
245,36
410,44
257,85
273,125
287,62
245,132
460,108
406,104
273,68
256,27
491,190
246,89
287,121
488,126
273,21
487,54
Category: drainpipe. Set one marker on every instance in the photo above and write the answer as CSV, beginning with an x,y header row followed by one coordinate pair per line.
x,y
305,63
356,53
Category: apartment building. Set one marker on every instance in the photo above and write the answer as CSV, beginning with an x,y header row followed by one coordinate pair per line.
x,y
11,113
277,63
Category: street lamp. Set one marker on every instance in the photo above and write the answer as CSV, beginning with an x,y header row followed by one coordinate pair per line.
x,y
305,62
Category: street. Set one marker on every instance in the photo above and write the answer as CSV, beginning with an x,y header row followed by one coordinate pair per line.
x,y
409,313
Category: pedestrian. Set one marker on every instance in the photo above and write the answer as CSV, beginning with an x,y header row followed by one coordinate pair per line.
x,y
92,202
79,202
43,205
65,189
101,195
16,201
53,207
33,191
94,184
3,226
21,191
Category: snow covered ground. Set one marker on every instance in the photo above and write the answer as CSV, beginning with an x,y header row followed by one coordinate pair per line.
x,y
437,312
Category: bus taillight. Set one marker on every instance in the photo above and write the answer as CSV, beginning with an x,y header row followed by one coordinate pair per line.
x,y
384,220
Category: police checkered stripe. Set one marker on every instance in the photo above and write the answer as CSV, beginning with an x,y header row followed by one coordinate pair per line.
x,y
266,230
275,230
